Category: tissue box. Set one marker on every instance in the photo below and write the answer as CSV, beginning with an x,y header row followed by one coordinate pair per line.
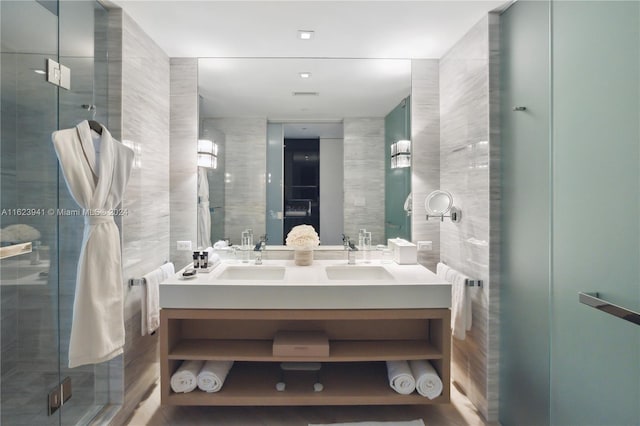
x,y
404,252
300,343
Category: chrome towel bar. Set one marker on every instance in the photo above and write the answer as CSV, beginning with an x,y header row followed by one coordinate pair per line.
x,y
136,281
140,281
474,283
593,300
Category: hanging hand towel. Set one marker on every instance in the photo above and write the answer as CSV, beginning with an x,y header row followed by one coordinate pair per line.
x,y
97,181
460,306
168,270
400,378
441,270
151,298
213,257
185,379
213,374
428,383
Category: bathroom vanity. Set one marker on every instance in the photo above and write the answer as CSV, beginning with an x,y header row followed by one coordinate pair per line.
x,y
371,313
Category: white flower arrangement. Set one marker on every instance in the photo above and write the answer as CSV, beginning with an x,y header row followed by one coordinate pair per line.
x,y
303,237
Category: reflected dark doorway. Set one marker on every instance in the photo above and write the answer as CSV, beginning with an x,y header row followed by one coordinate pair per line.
x,y
301,183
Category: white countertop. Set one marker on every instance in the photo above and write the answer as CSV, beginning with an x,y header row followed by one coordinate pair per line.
x,y
307,287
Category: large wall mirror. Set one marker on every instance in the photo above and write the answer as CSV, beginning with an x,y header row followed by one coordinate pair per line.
x,y
289,141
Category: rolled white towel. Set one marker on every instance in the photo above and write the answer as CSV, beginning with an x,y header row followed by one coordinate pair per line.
x,y
185,379
428,383
213,374
400,378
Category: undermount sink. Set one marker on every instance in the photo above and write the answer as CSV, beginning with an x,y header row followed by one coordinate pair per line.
x,y
252,273
354,272
325,284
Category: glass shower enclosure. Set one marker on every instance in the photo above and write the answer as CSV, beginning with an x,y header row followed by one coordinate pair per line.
x,y
37,286
570,116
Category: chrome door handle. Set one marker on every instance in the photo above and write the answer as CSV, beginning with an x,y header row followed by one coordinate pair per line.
x,y
593,300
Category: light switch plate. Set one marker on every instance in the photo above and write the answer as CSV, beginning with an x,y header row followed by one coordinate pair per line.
x,y
425,245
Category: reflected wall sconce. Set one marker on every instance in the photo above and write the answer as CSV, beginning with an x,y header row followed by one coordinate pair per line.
x,y
439,203
207,154
401,154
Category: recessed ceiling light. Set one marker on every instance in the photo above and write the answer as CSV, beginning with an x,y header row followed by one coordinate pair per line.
x,y
39,72
305,74
305,34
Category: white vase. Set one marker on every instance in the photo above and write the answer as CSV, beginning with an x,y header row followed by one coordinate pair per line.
x,y
303,257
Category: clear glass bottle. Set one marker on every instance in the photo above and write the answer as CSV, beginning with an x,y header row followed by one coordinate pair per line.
x,y
245,245
366,247
361,234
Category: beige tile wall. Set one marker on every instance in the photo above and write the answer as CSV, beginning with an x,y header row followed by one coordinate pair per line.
x,y
468,134
139,112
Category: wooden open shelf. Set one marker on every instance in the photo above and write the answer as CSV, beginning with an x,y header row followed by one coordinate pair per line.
x,y
344,384
260,350
354,373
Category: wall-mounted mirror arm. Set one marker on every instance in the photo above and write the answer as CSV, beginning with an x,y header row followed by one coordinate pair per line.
x,y
439,203
455,215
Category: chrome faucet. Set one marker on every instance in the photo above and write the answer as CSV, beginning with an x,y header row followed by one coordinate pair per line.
x,y
351,250
345,241
261,244
259,249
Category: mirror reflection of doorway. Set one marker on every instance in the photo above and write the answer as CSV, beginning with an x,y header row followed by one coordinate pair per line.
x,y
301,183
313,157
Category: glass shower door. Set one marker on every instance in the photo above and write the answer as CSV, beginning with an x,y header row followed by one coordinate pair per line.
x,y
83,49
37,288
29,188
397,180
595,357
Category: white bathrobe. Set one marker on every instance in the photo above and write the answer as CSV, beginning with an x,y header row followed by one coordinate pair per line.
x,y
96,182
204,215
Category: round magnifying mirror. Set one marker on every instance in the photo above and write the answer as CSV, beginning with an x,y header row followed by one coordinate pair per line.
x,y
438,203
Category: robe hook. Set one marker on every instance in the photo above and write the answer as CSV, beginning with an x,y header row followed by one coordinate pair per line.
x,y
91,108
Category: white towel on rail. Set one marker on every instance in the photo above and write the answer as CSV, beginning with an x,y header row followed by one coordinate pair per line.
x,y
400,378
428,383
213,374
185,379
151,297
213,258
460,306
441,270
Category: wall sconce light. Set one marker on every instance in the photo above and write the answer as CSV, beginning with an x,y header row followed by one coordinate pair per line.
x,y
439,203
401,154
207,154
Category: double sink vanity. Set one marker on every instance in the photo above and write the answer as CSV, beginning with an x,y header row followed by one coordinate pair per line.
x,y
370,312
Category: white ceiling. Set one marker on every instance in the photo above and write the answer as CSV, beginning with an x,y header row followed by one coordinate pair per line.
x,y
349,35
343,29
264,87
